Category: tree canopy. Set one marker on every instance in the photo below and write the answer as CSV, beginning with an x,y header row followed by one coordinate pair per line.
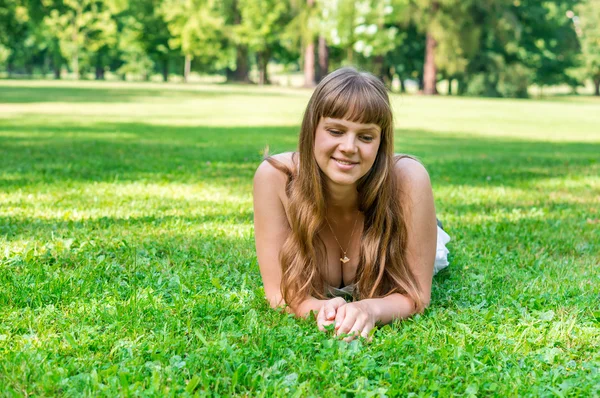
x,y
489,47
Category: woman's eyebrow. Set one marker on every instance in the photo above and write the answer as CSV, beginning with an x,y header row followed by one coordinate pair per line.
x,y
366,129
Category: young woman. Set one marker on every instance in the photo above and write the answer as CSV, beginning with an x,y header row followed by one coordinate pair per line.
x,y
344,227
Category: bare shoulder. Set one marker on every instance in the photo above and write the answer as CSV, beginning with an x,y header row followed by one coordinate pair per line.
x,y
267,171
411,174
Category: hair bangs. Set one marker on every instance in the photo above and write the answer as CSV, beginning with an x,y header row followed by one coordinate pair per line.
x,y
356,102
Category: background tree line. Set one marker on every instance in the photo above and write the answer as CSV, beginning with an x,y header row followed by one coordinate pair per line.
x,y
481,47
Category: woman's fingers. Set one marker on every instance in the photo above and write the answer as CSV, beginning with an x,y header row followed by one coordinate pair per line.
x,y
321,319
344,325
340,316
328,312
366,331
355,322
356,329
331,306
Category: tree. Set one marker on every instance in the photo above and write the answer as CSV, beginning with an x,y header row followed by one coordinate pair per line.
x,y
238,68
132,54
587,25
196,28
451,35
16,46
549,45
308,22
376,33
81,28
407,59
262,22
154,33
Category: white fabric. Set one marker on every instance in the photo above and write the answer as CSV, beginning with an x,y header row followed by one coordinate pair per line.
x,y
441,251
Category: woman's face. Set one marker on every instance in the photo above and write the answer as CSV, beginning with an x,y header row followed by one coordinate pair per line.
x,y
345,151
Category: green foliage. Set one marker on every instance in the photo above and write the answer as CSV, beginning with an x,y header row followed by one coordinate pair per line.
x,y
457,43
127,262
82,29
262,21
588,28
195,27
491,47
514,81
132,52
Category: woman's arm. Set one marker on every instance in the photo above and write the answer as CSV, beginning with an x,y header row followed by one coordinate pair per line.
x,y
417,199
271,229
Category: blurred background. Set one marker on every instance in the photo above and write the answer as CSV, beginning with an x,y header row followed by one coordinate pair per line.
x,y
492,48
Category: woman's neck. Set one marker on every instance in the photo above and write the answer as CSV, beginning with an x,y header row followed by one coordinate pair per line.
x,y
342,200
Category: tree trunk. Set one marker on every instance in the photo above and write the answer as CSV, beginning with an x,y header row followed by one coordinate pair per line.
x,y
351,18
309,57
165,70
429,69
309,65
402,85
75,56
241,72
462,86
75,63
56,69
45,66
450,85
378,67
597,87
323,52
388,77
99,72
262,59
241,62
187,66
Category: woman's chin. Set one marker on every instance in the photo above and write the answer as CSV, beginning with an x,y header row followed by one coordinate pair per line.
x,y
342,180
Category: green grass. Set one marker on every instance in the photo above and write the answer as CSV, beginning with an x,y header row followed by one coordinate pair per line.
x,y
127,261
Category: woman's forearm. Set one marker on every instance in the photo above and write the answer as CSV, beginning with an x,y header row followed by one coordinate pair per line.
x,y
389,308
305,307
302,310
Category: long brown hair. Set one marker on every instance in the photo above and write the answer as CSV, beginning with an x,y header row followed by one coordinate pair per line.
x,y
382,269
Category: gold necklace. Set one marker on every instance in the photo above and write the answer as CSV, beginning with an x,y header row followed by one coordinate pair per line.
x,y
344,259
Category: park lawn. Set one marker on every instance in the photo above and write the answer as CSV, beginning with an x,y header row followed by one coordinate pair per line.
x,y
127,261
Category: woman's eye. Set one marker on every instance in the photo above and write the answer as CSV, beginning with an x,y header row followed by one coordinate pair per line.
x,y
367,138
335,132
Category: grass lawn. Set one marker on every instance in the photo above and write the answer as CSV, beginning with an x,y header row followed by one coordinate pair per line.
x,y
127,261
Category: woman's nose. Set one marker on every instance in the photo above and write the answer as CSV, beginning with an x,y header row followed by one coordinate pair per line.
x,y
349,143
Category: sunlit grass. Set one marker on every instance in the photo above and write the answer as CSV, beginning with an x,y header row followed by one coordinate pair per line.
x,y
127,262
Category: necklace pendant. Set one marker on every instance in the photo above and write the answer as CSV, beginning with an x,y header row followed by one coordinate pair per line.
x,y
345,259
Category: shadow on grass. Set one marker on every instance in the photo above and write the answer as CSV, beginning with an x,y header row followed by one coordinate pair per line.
x,y
24,95
47,228
33,154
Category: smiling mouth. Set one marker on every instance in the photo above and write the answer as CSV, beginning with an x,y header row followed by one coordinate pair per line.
x,y
344,162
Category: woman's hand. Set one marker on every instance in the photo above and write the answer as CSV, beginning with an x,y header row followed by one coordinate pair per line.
x,y
355,319
327,313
